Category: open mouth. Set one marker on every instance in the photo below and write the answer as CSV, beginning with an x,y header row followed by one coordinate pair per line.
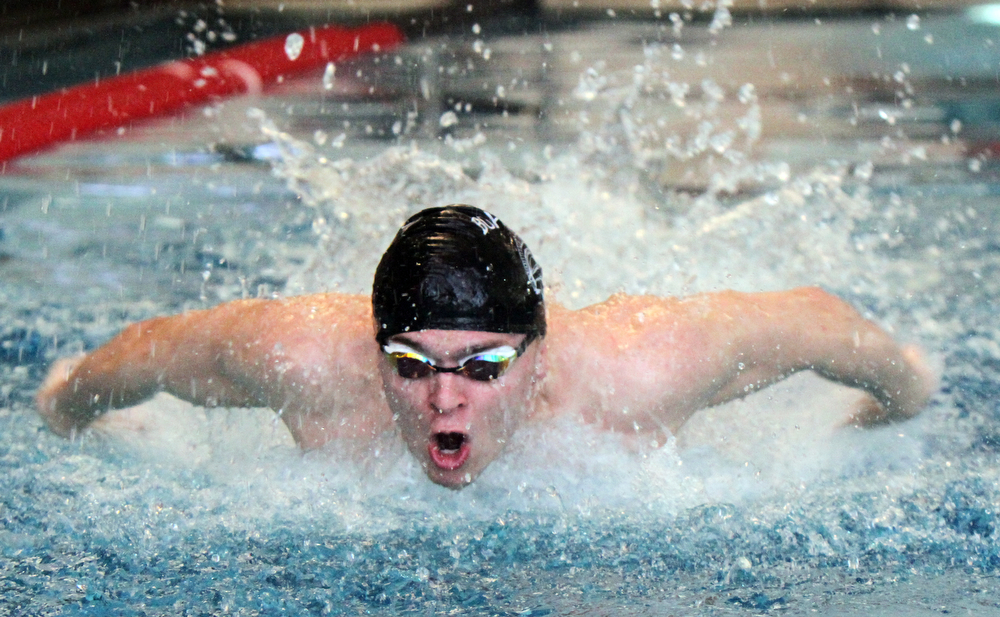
x,y
449,450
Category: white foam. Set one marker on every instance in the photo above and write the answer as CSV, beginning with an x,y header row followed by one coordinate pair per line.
x,y
778,441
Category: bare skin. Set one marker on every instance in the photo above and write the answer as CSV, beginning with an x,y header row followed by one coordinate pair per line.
x,y
632,364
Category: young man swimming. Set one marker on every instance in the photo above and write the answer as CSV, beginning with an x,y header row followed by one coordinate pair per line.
x,y
464,353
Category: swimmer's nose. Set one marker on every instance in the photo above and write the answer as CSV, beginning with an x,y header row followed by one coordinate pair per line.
x,y
446,393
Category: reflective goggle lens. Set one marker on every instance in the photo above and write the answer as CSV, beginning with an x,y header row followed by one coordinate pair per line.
x,y
481,367
410,366
485,368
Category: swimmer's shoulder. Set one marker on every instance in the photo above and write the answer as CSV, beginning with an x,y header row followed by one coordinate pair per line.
x,y
587,344
605,342
619,313
309,324
301,335
330,306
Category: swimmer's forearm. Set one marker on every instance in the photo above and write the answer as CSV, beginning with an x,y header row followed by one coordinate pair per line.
x,y
897,378
173,354
809,329
79,390
838,343
835,341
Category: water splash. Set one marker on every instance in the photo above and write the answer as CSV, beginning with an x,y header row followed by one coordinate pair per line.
x,y
764,495
293,45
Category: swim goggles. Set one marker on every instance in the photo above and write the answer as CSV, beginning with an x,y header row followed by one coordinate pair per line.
x,y
481,366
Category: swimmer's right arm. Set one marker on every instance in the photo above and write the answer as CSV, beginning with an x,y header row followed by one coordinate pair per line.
x,y
310,358
178,354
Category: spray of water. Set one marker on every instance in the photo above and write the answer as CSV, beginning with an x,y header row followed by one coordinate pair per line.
x,y
662,193
598,228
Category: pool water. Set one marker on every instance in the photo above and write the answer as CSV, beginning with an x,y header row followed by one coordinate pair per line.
x,y
631,156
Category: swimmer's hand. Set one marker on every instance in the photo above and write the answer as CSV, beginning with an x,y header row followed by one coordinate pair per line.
x,y
919,381
47,399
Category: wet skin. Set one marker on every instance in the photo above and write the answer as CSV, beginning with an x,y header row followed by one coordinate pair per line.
x,y
631,364
453,425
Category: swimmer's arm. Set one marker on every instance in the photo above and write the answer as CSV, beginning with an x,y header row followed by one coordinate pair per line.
x,y
179,354
768,336
312,359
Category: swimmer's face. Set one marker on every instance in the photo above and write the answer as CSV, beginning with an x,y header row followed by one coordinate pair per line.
x,y
454,425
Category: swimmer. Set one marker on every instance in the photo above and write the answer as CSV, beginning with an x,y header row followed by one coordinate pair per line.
x,y
457,348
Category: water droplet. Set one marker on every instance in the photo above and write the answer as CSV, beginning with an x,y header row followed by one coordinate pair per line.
x,y
448,118
328,75
293,45
913,22
886,115
721,19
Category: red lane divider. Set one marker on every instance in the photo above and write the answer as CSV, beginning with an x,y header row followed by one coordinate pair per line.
x,y
70,113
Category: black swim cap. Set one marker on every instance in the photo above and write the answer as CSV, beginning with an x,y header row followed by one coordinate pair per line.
x,y
457,268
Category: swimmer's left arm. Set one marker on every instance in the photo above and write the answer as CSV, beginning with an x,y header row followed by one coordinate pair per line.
x,y
641,362
766,337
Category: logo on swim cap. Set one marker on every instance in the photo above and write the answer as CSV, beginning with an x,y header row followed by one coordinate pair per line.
x,y
492,222
531,267
457,268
